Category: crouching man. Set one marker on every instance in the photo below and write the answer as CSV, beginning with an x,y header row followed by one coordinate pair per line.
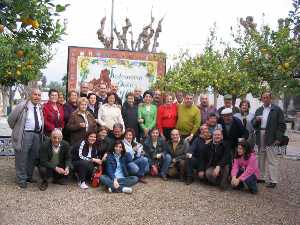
x,y
214,163
55,160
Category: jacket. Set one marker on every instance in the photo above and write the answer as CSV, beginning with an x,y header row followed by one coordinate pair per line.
x,y
108,115
111,165
197,146
148,117
166,116
181,149
16,121
205,111
52,120
78,133
215,155
130,117
46,153
151,151
275,125
250,167
80,152
68,109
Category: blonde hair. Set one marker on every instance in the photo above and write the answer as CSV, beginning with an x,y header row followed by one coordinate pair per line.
x,y
81,100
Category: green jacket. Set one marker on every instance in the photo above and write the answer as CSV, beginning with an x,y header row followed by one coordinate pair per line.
x,y
46,155
149,117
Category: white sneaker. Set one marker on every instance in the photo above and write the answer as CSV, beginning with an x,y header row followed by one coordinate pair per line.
x,y
127,190
83,185
109,190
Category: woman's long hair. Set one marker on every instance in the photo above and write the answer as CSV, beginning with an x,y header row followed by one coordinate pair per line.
x,y
118,142
247,150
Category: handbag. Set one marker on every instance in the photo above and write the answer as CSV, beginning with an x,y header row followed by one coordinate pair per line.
x,y
96,177
154,170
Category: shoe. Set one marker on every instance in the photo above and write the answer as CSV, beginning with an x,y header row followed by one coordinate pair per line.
x,y
181,178
142,180
189,181
31,180
271,185
23,185
59,181
127,190
83,185
259,181
43,186
164,178
109,190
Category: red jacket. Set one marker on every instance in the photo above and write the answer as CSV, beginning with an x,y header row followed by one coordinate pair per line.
x,y
51,117
166,116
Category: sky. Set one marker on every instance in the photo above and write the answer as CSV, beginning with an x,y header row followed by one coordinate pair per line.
x,y
186,23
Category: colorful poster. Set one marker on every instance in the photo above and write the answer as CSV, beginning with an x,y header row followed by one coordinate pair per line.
x,y
124,68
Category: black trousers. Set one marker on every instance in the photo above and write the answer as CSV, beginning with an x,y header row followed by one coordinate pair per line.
x,y
46,173
84,169
191,165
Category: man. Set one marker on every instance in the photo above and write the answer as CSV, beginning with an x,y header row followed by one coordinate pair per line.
x,y
232,128
215,161
84,89
269,124
114,89
179,97
138,98
205,108
178,150
117,132
212,123
102,94
27,124
157,98
55,160
228,104
189,118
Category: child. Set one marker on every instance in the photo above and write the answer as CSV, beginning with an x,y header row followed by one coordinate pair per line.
x,y
245,168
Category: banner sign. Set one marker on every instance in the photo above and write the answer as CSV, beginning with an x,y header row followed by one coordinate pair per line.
x,y
125,68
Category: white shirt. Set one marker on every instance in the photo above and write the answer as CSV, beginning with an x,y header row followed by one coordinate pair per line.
x,y
30,123
265,116
108,115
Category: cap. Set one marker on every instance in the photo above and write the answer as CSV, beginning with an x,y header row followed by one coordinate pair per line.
x,y
226,111
227,97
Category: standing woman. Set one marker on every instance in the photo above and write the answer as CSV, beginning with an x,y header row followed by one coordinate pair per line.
x,y
80,122
116,177
85,157
246,117
167,117
147,113
138,165
110,113
93,105
53,113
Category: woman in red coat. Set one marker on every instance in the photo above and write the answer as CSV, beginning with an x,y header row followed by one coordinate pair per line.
x,y
167,117
53,113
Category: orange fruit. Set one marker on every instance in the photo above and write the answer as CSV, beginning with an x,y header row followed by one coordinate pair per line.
x,y
1,28
18,72
29,66
35,24
20,53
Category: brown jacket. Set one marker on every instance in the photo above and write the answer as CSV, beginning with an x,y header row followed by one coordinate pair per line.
x,y
181,149
78,133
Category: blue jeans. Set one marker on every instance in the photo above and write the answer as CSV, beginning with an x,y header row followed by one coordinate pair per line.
x,y
123,182
165,163
251,182
138,167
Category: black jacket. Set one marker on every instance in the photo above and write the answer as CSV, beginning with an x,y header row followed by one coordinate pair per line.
x,y
85,150
215,155
197,146
151,151
130,117
46,154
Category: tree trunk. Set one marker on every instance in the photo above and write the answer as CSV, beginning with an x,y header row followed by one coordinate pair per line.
x,y
5,98
215,99
234,97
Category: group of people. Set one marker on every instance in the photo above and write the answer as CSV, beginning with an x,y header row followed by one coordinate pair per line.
x,y
150,133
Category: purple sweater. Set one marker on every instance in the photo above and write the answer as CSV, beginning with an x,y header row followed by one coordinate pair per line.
x,y
250,167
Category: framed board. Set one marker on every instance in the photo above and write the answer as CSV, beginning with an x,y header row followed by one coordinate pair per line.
x,y
127,69
6,148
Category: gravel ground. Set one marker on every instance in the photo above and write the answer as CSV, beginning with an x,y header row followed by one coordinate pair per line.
x,y
157,202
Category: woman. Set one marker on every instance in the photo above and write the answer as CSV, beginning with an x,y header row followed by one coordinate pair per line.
x,y
245,168
130,114
156,150
110,113
53,113
104,143
116,177
93,106
147,113
246,117
167,117
61,98
85,158
80,122
138,166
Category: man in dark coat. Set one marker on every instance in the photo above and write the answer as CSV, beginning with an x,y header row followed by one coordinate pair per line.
x,y
269,125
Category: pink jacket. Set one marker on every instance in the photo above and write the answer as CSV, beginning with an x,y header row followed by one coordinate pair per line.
x,y
250,167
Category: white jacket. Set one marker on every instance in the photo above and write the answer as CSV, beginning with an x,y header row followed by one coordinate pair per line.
x,y
109,115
